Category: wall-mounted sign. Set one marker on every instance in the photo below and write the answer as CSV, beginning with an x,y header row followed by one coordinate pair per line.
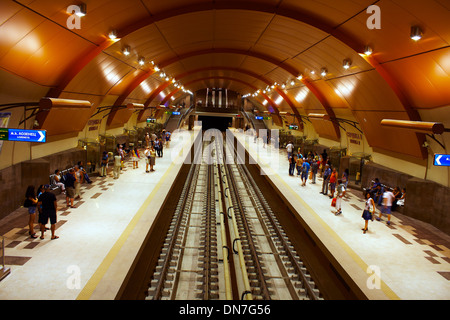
x,y
151,120
442,160
259,118
293,127
176,113
354,138
23,135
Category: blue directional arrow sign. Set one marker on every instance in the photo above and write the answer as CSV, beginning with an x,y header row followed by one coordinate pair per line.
x,y
442,160
27,135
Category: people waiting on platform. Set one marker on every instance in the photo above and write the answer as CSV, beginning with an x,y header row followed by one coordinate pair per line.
x,y
345,177
57,180
314,169
167,137
397,195
104,164
369,211
47,210
152,159
135,157
375,188
69,183
388,199
340,192
117,165
79,180
292,163
333,180
159,147
326,179
378,197
324,156
83,172
299,153
305,171
401,201
289,149
31,202
299,165
147,139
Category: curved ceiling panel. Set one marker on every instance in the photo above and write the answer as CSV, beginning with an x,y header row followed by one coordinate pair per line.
x,y
276,40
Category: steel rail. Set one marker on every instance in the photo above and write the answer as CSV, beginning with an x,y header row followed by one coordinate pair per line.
x,y
181,206
311,293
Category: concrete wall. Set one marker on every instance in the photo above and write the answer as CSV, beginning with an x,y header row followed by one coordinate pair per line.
x,y
428,201
15,179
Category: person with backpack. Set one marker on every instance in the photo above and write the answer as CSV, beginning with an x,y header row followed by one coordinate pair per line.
x,y
326,178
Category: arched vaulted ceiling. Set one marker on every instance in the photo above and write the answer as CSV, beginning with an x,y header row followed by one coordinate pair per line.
x,y
243,46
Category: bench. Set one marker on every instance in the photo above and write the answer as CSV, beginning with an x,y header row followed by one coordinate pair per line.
x,y
53,187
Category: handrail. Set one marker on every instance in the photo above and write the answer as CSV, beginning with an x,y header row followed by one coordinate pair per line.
x,y
3,270
184,115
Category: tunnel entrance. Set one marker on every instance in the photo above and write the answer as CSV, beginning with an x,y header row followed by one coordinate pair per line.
x,y
220,123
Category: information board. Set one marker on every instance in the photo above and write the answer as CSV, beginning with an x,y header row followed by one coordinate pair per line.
x,y
27,135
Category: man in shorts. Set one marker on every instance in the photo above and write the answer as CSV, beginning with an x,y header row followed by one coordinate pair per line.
x,y
47,210
305,171
69,184
388,199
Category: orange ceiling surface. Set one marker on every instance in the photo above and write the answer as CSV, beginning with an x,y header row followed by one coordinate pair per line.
x,y
244,46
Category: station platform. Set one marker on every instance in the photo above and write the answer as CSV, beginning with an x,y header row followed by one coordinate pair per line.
x,y
100,237
406,260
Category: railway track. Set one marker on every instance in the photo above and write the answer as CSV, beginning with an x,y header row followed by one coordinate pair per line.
x,y
225,242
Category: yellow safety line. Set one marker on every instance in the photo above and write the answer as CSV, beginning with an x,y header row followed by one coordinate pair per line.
x,y
384,287
95,279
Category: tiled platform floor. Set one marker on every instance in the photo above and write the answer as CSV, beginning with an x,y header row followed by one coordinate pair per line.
x,y
99,238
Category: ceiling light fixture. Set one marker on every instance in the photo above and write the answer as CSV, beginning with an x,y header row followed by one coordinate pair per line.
x,y
323,72
82,11
126,50
416,33
347,63
300,77
113,35
367,51
141,61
